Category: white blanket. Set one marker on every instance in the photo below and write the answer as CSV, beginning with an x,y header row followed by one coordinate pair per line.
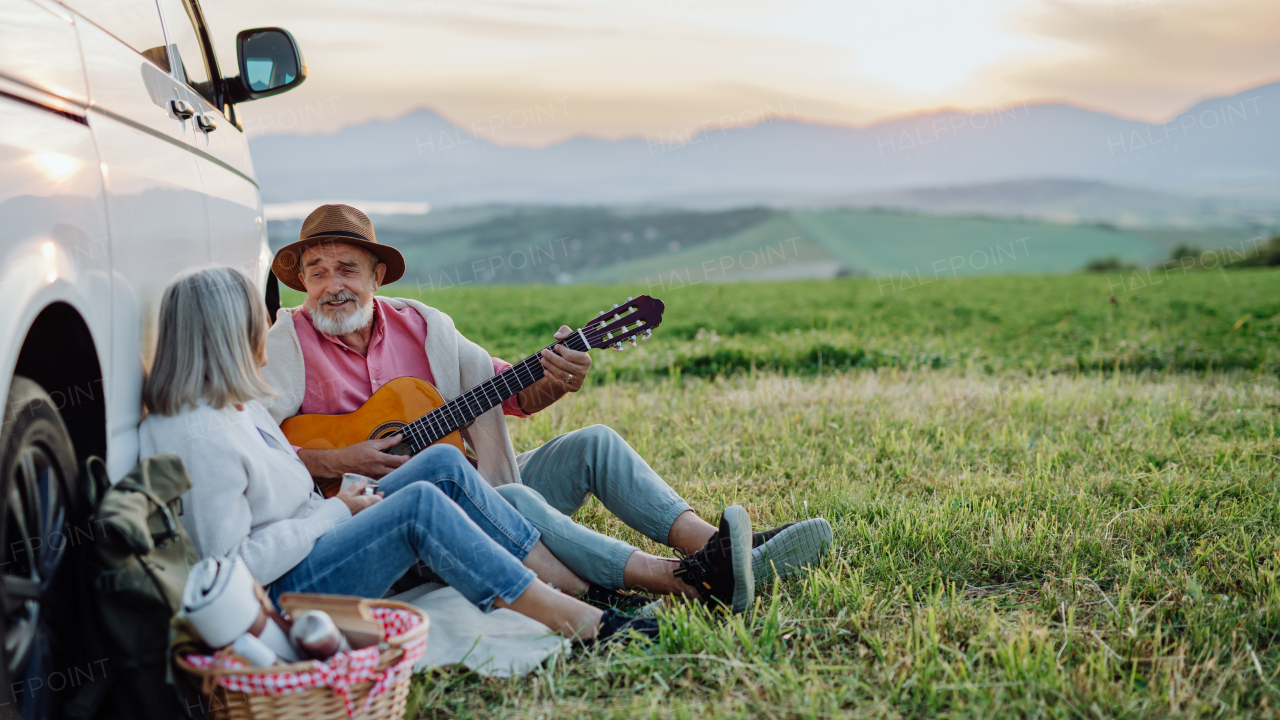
x,y
502,643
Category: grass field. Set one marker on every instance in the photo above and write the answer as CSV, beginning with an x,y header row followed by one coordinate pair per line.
x,y
1208,320
1056,546
1045,504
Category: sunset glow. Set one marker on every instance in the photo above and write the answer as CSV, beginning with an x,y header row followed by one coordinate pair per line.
x,y
615,70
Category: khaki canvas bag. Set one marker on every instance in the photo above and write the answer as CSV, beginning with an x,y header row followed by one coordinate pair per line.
x,y
136,570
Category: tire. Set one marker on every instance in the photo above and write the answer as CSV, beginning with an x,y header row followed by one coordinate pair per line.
x,y
37,469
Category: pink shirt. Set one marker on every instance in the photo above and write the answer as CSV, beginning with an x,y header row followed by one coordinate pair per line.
x,y
339,379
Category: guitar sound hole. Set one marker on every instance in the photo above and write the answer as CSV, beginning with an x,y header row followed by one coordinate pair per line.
x,y
387,429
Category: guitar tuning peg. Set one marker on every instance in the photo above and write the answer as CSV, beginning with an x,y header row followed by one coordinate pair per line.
x,y
632,340
647,334
615,306
629,298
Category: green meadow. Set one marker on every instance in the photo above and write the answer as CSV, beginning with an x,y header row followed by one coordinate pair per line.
x,y
1070,545
1159,320
1052,496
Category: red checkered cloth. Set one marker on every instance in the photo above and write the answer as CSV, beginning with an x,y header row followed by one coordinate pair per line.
x,y
339,672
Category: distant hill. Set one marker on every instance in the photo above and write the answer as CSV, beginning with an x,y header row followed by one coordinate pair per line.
x,y
1076,201
475,246
1200,167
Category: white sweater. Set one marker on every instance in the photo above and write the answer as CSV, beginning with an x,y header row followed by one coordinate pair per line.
x,y
250,494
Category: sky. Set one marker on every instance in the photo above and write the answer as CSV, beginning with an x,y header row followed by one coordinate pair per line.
x,y
541,71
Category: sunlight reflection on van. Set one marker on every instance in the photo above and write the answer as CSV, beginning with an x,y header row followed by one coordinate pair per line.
x,y
56,165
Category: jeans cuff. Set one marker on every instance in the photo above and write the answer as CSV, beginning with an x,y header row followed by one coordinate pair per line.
x,y
510,594
528,544
524,542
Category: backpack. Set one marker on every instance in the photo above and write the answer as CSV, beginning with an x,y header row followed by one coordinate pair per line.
x,y
132,587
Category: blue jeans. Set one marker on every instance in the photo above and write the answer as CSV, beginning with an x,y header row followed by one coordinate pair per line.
x,y
436,509
562,474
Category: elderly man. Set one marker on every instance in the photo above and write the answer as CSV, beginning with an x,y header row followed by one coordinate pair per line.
x,y
331,354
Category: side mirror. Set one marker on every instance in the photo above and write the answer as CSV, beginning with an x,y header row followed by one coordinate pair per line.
x,y
270,63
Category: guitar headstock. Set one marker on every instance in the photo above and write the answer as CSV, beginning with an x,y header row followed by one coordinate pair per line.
x,y
624,322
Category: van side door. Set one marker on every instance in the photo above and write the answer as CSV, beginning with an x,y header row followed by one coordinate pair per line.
x,y
143,122
237,229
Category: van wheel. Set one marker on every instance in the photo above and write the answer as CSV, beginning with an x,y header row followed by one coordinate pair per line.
x,y
37,465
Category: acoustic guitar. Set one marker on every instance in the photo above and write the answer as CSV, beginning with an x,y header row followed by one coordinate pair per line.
x,y
412,406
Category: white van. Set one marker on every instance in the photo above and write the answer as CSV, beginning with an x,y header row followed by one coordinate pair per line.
x,y
122,163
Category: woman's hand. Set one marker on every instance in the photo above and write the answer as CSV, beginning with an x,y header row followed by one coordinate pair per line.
x,y
353,495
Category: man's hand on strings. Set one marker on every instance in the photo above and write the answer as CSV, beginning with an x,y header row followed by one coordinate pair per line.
x,y
563,371
570,367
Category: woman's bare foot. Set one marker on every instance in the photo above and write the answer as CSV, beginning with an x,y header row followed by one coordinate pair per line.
x,y
565,615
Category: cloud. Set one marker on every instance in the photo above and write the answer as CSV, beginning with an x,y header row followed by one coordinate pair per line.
x,y
1150,59
652,66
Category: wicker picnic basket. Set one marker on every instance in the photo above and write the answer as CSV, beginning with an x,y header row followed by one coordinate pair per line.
x,y
319,702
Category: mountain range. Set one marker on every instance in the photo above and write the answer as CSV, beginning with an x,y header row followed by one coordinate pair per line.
x,y
1216,163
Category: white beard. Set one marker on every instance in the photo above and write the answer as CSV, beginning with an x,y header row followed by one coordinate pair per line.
x,y
355,320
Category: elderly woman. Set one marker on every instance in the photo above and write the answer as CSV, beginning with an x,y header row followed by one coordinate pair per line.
x,y
251,496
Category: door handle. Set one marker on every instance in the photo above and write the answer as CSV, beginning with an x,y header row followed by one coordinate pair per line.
x,y
206,123
181,108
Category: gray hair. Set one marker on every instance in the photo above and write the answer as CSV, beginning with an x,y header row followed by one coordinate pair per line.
x,y
212,336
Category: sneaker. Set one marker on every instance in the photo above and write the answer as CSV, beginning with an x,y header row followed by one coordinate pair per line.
x,y
760,538
651,610
721,570
788,549
601,597
617,627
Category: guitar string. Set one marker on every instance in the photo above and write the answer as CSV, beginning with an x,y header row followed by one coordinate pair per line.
x,y
527,365
470,396
431,418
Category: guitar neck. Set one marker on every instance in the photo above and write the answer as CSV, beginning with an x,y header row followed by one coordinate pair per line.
x,y
456,413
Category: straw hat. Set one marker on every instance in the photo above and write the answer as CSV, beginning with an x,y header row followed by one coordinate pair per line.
x,y
335,224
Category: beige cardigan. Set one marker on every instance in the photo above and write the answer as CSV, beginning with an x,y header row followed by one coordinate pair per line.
x,y
456,363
